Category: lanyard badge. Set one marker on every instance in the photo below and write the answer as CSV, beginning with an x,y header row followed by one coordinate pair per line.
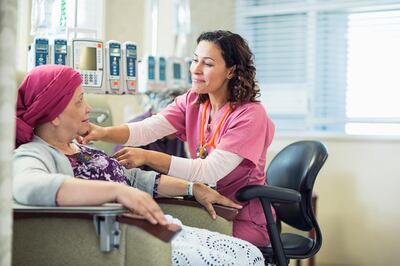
x,y
201,151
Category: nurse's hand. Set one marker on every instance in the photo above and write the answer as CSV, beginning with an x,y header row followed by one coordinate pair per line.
x,y
207,196
94,133
131,157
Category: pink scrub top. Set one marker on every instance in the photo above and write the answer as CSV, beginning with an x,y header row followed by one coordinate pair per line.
x,y
247,131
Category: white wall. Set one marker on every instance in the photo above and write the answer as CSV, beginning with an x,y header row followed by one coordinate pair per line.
x,y
8,29
124,21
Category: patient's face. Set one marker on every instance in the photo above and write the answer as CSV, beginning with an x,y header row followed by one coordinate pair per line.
x,y
74,119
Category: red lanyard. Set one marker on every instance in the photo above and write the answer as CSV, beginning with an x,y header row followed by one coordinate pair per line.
x,y
201,150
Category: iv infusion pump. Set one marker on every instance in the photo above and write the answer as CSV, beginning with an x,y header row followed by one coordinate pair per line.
x,y
88,59
113,59
60,52
39,52
112,68
129,66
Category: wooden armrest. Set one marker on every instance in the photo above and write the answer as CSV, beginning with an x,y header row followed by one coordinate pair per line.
x,y
225,212
164,233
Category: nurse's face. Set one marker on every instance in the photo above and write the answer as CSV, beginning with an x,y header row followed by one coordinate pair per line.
x,y
74,120
208,69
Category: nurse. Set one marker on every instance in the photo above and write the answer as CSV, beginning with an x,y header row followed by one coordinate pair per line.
x,y
227,130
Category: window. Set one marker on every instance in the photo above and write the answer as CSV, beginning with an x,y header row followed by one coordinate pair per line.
x,y
54,17
326,66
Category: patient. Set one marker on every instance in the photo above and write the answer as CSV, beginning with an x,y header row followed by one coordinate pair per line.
x,y
51,113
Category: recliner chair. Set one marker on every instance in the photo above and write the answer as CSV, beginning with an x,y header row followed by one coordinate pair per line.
x,y
291,176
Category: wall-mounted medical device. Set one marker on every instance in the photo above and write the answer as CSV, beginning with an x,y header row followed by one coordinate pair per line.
x,y
60,52
129,68
39,53
161,73
188,76
147,74
175,73
88,58
113,70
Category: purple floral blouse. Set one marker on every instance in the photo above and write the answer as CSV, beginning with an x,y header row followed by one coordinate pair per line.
x,y
96,165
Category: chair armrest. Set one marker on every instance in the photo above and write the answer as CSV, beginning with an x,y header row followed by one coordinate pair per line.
x,y
164,233
271,193
225,212
21,211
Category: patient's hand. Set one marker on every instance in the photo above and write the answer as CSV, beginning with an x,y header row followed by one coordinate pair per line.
x,y
140,203
207,196
130,157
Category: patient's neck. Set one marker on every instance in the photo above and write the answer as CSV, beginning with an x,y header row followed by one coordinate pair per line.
x,y
56,139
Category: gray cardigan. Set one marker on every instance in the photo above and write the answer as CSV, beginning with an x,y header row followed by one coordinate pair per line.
x,y
40,169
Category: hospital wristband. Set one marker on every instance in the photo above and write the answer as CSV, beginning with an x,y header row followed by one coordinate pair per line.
x,y
189,189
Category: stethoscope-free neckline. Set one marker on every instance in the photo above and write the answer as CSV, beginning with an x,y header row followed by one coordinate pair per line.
x,y
201,151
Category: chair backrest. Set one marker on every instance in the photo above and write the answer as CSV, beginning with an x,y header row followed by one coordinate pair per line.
x,y
296,167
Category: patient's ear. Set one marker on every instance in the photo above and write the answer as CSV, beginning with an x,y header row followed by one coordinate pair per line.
x,y
55,122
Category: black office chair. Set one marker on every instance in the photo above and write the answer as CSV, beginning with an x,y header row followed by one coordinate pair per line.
x,y
291,176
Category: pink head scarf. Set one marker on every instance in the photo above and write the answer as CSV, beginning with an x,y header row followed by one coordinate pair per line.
x,y
42,96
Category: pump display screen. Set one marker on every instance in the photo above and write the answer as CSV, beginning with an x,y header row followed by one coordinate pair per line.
x,y
60,49
131,53
41,47
115,52
87,59
177,70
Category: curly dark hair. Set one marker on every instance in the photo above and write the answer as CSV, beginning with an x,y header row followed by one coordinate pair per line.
x,y
236,52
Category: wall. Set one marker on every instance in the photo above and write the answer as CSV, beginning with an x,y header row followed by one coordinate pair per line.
x,y
8,19
210,15
124,21
130,20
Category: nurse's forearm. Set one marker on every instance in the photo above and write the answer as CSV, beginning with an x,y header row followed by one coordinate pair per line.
x,y
157,160
116,134
170,187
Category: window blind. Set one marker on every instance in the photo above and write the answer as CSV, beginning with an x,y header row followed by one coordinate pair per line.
x,y
324,65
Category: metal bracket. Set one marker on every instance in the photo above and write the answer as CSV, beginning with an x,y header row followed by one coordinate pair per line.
x,y
107,228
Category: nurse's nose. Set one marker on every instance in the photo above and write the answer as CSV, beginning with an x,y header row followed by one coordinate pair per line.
x,y
195,67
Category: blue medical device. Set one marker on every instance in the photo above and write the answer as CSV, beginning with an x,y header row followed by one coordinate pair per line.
x,y
176,77
147,76
129,64
114,54
60,52
39,53
162,73
188,78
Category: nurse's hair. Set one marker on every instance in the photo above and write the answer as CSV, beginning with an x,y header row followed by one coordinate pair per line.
x,y
236,52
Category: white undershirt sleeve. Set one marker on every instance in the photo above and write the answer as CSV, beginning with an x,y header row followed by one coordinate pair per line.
x,y
149,130
209,170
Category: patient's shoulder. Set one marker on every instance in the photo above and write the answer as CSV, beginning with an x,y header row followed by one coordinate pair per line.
x,y
34,148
